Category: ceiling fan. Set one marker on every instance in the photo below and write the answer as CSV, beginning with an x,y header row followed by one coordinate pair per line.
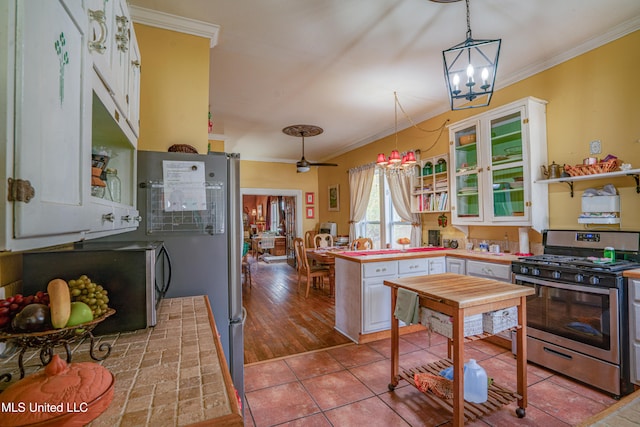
x,y
301,131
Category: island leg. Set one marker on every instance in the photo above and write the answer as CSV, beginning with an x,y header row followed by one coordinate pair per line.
x,y
395,338
521,358
458,368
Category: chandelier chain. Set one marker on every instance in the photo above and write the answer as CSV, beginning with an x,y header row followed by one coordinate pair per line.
x,y
468,21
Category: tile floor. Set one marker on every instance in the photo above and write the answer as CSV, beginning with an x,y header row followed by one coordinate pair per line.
x,y
347,386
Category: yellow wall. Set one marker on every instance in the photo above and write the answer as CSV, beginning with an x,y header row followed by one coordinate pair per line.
x,y
590,97
282,176
174,108
174,89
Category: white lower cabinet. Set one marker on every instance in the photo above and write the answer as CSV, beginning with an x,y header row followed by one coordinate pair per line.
x,y
376,297
363,302
437,265
489,270
456,265
634,329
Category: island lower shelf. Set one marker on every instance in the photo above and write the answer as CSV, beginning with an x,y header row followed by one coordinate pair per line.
x,y
498,396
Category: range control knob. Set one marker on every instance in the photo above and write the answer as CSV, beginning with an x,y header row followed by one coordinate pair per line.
x,y
594,280
524,270
579,277
535,271
556,274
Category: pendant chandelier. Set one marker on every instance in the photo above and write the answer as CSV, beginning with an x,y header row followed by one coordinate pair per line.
x,y
397,163
470,70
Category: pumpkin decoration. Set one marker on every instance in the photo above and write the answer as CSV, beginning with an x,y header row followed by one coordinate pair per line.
x,y
60,395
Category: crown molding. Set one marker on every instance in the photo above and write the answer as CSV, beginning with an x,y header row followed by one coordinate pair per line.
x,y
614,33
167,21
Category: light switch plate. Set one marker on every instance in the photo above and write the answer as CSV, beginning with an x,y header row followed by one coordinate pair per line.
x,y
595,147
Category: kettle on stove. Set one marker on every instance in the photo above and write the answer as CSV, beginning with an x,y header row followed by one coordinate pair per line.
x,y
553,171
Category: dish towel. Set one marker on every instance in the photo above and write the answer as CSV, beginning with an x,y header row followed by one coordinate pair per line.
x,y
407,306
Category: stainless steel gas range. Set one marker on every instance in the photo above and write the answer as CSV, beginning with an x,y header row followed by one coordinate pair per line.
x,y
577,320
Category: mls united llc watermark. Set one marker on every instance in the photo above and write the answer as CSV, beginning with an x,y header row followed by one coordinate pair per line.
x,y
22,407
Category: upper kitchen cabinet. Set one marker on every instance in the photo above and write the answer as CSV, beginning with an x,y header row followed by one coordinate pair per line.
x,y
495,156
55,112
45,114
115,55
115,114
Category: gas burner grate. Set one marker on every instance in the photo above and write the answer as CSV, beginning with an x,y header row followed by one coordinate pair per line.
x,y
592,263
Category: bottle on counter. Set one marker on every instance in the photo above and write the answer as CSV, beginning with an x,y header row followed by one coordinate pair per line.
x,y
475,382
114,186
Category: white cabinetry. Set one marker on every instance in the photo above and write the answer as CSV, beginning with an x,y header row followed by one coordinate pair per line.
x,y
634,329
437,265
114,51
456,265
430,185
376,298
495,157
51,121
489,270
46,98
363,302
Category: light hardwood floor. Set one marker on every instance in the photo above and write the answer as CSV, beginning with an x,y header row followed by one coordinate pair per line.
x,y
280,320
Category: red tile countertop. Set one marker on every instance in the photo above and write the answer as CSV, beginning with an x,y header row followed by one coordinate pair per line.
x,y
397,254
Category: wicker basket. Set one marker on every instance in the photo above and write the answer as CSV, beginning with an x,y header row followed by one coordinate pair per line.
x,y
182,148
602,167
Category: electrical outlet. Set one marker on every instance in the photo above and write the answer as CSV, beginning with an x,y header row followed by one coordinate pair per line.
x,y
595,147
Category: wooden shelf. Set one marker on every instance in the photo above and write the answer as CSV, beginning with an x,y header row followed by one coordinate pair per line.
x,y
497,395
634,173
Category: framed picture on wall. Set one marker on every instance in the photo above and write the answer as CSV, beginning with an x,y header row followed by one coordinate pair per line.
x,y
309,198
310,212
334,197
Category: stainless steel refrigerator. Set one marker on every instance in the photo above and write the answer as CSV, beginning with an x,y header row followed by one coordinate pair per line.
x,y
191,203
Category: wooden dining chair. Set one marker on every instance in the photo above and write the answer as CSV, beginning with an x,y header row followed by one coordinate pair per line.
x,y
361,243
323,240
304,269
309,238
246,266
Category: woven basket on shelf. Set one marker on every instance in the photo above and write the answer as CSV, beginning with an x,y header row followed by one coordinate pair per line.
x,y
601,167
182,148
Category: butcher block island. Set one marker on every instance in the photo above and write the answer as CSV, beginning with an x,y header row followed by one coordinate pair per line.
x,y
459,296
362,300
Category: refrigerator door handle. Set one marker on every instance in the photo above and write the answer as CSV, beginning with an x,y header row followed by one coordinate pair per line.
x,y
240,320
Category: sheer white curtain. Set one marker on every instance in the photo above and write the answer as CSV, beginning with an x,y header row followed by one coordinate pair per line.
x,y
360,181
400,189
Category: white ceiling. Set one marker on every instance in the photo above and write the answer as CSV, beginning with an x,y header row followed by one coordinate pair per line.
x,y
337,63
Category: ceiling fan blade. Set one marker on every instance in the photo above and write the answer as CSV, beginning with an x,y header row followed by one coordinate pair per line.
x,y
322,164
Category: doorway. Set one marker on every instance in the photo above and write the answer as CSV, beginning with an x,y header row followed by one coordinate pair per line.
x,y
258,214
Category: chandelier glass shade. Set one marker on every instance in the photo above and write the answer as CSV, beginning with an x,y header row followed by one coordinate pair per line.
x,y
470,70
397,163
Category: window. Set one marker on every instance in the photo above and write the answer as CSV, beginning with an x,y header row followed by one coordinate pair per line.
x,y
381,222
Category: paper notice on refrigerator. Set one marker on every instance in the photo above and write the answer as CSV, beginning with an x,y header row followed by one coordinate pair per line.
x,y
184,186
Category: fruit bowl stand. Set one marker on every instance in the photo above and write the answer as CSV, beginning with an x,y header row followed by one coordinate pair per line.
x,y
47,340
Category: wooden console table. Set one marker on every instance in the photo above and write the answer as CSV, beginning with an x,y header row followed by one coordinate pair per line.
x,y
458,296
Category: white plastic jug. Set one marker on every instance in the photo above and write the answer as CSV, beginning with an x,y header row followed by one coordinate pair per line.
x,y
475,383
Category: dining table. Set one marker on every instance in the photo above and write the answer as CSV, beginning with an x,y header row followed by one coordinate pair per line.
x,y
325,257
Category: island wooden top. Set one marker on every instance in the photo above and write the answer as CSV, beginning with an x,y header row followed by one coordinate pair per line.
x,y
634,274
460,291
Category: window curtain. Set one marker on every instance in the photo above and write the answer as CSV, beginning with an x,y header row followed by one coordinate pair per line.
x,y
400,189
360,182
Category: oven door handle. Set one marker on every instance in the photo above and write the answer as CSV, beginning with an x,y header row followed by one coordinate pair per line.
x,y
566,286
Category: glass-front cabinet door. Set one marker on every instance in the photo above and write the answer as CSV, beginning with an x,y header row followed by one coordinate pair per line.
x,y
507,166
495,157
466,188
